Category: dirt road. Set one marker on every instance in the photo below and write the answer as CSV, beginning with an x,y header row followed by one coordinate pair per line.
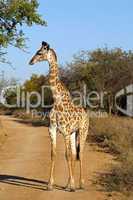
x,y
25,162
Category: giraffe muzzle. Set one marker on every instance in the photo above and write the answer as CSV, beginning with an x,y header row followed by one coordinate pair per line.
x,y
31,62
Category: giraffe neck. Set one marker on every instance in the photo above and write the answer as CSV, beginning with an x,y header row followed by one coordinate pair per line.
x,y
54,74
60,93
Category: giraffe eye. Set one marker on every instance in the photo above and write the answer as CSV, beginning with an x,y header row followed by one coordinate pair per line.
x,y
39,53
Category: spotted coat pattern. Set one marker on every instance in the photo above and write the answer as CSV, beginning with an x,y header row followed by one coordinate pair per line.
x,y
66,118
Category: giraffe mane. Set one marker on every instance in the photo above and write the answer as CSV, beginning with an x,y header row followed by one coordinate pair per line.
x,y
54,53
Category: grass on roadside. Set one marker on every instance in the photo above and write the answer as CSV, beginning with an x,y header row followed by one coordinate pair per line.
x,y
116,135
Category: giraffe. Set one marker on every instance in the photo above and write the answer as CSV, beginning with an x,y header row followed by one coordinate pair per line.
x,y
66,118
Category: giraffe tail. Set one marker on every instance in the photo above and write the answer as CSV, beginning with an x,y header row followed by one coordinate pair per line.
x,y
77,145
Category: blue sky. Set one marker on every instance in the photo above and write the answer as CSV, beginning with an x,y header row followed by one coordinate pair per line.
x,y
73,26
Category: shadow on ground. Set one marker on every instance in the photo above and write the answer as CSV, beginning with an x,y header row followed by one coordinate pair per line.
x,y
26,182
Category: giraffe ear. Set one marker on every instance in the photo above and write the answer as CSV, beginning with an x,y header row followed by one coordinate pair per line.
x,y
45,45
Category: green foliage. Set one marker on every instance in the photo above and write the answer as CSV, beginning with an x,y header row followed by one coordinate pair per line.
x,y
10,93
14,15
36,83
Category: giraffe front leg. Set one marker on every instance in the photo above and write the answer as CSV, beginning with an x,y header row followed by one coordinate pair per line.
x,y
71,182
52,132
73,160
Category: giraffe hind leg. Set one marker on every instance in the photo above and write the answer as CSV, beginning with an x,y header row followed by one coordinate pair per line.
x,y
83,135
77,139
70,157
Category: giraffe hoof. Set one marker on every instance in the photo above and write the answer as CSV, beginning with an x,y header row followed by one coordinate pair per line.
x,y
72,190
69,189
81,185
67,186
50,188
81,188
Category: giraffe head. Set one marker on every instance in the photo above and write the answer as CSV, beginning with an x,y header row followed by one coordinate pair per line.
x,y
45,53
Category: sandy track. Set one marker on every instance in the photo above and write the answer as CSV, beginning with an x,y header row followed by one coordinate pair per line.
x,y
25,161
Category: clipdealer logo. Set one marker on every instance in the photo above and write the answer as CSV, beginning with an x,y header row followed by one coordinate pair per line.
x,y
128,93
23,99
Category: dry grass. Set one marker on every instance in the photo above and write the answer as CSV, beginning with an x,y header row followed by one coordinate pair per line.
x,y
116,135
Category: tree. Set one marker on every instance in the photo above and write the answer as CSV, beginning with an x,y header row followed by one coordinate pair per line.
x,y
37,84
14,15
9,87
103,70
